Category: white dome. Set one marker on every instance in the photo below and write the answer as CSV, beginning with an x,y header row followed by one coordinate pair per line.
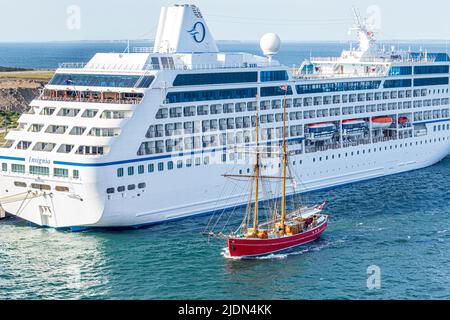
x,y
270,44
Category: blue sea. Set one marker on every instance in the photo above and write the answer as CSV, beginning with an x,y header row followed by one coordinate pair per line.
x,y
397,225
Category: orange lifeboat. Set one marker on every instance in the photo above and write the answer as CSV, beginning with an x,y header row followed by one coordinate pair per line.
x,y
382,122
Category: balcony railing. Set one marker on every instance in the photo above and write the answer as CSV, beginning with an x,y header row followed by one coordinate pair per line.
x,y
151,67
54,95
74,99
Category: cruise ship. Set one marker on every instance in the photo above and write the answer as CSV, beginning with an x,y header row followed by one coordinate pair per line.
x,y
146,136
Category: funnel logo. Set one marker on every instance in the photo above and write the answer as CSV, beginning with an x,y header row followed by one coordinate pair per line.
x,y
198,32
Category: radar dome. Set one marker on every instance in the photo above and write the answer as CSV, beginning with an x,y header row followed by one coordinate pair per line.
x,y
270,44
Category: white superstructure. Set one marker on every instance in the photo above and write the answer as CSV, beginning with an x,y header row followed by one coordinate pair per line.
x,y
140,138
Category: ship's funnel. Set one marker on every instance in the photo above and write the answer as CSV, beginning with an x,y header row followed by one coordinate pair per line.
x,y
182,29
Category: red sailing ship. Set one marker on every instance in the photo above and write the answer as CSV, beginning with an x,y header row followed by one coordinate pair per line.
x,y
285,229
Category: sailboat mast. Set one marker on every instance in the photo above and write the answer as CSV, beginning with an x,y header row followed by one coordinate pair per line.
x,y
284,166
255,217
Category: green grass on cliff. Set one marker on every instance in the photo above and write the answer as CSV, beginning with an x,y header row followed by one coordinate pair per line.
x,y
28,75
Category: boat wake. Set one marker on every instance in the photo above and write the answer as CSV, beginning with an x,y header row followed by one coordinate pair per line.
x,y
280,256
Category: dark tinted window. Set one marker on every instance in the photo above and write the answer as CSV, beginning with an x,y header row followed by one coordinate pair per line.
x,y
337,86
400,83
215,78
274,76
275,91
430,82
98,80
208,95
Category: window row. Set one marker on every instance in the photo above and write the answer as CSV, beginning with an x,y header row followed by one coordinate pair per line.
x,y
88,113
40,170
41,187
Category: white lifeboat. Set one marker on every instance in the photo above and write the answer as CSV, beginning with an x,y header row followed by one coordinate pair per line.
x,y
354,128
382,122
321,131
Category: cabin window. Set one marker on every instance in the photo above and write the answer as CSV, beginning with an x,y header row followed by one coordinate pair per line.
x,y
110,190
120,172
18,168
130,171
121,189
42,171
61,173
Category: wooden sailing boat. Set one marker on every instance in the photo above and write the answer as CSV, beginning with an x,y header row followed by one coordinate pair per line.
x,y
285,230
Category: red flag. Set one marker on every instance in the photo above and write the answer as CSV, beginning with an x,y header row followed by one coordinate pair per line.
x,y
322,206
284,88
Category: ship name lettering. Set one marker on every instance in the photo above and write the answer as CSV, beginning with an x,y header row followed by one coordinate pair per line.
x,y
39,161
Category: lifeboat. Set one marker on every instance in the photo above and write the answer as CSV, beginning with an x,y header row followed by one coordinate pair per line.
x,y
403,120
321,131
354,128
382,122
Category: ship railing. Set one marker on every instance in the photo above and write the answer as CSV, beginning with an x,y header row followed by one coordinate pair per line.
x,y
153,67
75,99
383,139
356,143
298,75
142,49
402,57
312,149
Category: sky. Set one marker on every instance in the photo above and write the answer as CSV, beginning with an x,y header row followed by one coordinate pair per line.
x,y
293,20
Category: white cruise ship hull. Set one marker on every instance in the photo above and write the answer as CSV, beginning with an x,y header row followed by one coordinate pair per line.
x,y
131,139
200,190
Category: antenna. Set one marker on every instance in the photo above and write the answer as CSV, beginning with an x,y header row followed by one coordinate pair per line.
x,y
358,19
127,49
366,37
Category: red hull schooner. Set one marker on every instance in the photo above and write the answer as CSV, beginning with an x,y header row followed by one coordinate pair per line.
x,y
283,230
245,247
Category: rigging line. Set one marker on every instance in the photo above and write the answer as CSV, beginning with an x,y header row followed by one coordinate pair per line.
x,y
224,187
280,23
232,189
229,218
270,202
273,19
220,216
227,210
